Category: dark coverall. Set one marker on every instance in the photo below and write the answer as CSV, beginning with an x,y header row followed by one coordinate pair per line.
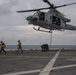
x,y
19,46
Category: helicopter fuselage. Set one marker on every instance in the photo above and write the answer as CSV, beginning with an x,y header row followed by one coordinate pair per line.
x,y
52,20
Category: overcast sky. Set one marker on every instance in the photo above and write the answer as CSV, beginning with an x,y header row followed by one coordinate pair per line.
x,y
13,25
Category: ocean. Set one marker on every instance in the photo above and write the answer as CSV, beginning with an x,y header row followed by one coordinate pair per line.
x,y
38,47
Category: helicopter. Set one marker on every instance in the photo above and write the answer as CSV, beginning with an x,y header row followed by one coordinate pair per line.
x,y
51,20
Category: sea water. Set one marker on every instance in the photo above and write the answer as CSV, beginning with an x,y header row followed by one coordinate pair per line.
x,y
38,47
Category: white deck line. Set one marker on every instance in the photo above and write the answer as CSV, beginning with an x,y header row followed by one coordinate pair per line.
x,y
24,72
34,71
49,66
62,67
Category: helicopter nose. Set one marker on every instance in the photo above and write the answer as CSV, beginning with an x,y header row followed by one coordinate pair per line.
x,y
34,19
29,18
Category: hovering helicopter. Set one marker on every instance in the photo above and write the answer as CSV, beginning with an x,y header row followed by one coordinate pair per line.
x,y
52,20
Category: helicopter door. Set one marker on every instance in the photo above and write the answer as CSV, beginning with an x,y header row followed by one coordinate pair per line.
x,y
42,16
56,20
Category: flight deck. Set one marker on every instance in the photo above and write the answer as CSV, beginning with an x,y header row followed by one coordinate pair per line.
x,y
36,62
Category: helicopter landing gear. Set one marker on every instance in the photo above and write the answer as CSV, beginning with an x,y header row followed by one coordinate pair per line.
x,y
42,30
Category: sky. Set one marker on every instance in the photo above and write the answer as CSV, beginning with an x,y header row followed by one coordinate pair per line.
x,y
13,25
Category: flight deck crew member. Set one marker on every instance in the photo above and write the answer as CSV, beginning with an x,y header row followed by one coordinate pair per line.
x,y
2,45
19,47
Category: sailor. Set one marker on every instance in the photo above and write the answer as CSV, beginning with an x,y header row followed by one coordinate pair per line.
x,y
2,45
19,46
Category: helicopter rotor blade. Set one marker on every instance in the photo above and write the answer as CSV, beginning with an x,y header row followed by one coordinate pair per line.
x,y
32,10
46,1
65,5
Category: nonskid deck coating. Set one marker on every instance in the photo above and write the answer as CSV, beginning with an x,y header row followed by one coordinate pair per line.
x,y
37,60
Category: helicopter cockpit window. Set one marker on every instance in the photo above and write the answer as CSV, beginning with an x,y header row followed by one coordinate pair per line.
x,y
36,14
56,21
42,16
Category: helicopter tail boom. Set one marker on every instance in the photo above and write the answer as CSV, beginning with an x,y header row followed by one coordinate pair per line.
x,y
70,27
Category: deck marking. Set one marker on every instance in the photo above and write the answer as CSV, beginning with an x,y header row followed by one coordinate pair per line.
x,y
24,72
62,67
49,66
71,59
34,71
24,57
47,69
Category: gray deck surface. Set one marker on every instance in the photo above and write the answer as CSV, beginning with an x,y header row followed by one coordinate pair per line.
x,y
33,60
